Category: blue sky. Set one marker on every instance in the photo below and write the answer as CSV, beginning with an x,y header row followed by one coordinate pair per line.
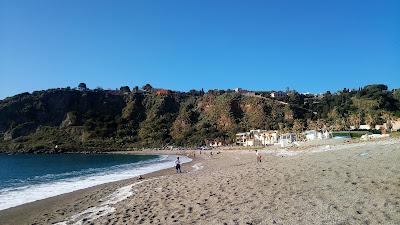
x,y
310,46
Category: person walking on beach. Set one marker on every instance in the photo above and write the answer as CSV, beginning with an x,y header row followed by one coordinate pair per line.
x,y
258,156
178,165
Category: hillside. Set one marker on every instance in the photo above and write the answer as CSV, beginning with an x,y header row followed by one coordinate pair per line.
x,y
65,119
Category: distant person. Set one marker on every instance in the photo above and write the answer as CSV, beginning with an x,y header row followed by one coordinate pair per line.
x,y
178,165
258,156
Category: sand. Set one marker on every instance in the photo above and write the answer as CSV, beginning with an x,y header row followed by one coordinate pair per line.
x,y
324,183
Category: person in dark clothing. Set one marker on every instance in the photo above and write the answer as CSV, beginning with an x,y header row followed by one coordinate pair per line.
x,y
178,165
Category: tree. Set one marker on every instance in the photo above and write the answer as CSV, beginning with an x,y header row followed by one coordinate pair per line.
x,y
298,126
288,113
339,124
355,120
321,124
82,86
371,119
312,125
282,128
147,88
396,94
387,117
125,89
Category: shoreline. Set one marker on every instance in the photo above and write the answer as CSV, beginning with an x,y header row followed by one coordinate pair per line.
x,y
232,187
42,205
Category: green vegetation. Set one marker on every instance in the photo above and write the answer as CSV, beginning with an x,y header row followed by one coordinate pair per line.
x,y
97,120
395,134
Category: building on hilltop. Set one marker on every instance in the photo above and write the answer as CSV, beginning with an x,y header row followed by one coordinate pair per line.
x,y
278,94
243,91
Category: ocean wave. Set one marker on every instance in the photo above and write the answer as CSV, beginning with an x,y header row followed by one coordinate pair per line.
x,y
50,185
14,183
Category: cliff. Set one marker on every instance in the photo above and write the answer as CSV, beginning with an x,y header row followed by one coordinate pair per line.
x,y
60,120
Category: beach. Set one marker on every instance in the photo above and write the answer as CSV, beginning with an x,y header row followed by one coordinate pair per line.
x,y
325,183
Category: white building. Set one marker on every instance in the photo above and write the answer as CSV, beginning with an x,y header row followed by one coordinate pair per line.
x,y
264,137
365,127
244,139
278,94
314,135
286,139
257,138
396,125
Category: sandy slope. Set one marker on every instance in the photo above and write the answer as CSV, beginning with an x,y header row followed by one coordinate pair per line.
x,y
355,183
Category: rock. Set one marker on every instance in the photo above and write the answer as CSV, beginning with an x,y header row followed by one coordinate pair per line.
x,y
70,120
21,130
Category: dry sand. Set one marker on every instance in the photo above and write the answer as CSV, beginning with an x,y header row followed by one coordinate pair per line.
x,y
353,183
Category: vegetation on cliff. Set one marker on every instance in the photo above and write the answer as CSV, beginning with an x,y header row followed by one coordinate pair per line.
x,y
59,120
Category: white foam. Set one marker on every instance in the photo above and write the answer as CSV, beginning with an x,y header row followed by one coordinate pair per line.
x,y
103,209
21,195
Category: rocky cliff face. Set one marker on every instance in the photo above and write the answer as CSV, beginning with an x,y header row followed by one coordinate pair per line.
x,y
94,120
59,120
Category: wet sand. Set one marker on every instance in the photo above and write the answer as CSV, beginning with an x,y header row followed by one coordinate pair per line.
x,y
339,183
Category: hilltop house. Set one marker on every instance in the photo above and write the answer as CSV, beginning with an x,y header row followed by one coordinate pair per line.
x,y
278,94
244,92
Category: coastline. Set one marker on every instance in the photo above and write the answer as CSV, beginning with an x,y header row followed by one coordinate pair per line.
x,y
347,183
17,214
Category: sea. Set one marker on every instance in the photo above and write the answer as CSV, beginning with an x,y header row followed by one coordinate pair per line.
x,y
30,177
